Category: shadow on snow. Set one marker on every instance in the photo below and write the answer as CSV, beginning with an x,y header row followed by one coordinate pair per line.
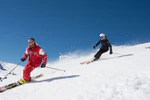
x,y
58,78
118,56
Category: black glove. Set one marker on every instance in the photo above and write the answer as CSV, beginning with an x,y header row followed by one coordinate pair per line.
x,y
23,59
94,47
43,66
110,52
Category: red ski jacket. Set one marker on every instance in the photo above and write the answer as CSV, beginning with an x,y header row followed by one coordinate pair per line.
x,y
36,56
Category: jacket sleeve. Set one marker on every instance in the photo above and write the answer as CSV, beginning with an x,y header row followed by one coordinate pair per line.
x,y
25,54
98,43
41,52
109,46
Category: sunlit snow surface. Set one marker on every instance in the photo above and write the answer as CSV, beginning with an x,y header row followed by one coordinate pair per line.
x,y
124,75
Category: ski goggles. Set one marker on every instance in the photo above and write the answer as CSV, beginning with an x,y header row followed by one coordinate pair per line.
x,y
101,37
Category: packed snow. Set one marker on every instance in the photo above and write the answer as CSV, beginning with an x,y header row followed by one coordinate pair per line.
x,y
124,75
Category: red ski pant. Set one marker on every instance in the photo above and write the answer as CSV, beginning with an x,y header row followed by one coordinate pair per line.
x,y
26,72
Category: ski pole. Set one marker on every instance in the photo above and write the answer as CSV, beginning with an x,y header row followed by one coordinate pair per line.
x,y
5,77
56,69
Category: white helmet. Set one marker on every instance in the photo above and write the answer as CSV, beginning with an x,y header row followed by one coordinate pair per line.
x,y
102,35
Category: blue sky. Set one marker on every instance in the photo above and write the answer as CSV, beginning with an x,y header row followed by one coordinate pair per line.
x,y
61,26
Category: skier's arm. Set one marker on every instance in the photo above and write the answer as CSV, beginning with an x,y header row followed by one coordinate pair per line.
x,y
110,47
97,43
41,52
24,57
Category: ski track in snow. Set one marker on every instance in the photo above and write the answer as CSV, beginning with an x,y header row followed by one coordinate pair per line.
x,y
113,77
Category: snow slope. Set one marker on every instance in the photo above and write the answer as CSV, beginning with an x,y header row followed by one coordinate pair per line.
x,y
114,77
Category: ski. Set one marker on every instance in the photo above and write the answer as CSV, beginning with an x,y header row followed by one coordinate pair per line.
x,y
15,84
147,47
35,77
86,62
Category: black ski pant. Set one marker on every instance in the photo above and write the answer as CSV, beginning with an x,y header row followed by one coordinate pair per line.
x,y
100,52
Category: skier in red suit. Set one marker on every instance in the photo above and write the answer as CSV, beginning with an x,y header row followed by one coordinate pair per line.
x,y
36,57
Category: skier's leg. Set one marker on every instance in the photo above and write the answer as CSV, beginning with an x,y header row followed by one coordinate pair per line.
x,y
26,72
99,53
